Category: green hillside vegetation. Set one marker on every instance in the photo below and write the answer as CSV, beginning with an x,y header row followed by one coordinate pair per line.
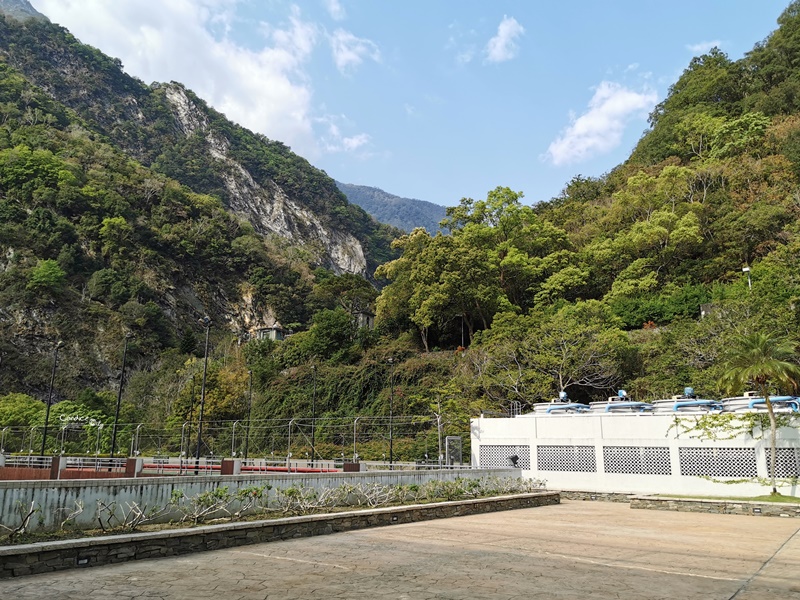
x,y
404,213
138,119
599,288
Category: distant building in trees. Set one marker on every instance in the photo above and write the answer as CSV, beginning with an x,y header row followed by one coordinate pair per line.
x,y
275,332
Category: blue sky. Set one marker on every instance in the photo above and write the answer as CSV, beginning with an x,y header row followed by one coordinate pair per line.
x,y
428,99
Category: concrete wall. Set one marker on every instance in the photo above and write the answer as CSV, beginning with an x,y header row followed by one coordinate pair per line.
x,y
596,435
54,497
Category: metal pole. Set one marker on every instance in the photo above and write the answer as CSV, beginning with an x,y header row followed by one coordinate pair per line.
x,y
289,448
206,322
3,441
233,439
97,443
50,394
355,454
135,440
128,336
439,432
313,414
391,413
249,413
184,450
191,405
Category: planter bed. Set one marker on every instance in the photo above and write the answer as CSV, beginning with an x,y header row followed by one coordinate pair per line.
x,y
42,557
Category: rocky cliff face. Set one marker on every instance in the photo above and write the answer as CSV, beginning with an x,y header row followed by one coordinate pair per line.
x,y
266,205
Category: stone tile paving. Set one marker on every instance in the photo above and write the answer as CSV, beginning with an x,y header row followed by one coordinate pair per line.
x,y
575,550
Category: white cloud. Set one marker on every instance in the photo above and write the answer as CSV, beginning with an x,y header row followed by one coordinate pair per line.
x,y
350,51
600,128
335,9
461,42
465,56
350,144
503,46
703,47
333,141
265,89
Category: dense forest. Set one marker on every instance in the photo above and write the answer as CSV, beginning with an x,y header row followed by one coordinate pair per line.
x,y
636,279
404,213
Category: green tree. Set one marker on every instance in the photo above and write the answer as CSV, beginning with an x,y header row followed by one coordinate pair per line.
x,y
764,360
47,277
20,410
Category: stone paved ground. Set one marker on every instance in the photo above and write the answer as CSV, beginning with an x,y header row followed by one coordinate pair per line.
x,y
576,550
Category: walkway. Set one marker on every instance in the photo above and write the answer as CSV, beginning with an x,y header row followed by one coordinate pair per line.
x,y
576,550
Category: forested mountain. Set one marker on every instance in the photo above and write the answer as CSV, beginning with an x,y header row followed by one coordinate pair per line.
x,y
170,130
127,208
404,213
103,233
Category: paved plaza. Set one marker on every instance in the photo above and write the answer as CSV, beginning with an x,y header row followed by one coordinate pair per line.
x,y
575,550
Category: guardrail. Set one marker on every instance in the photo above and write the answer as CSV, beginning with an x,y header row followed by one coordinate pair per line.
x,y
92,467
29,461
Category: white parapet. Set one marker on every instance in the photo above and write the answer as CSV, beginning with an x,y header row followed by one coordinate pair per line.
x,y
640,453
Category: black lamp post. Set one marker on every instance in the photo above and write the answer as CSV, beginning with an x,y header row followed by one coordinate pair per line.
x,y
128,337
391,413
313,414
50,394
249,412
205,322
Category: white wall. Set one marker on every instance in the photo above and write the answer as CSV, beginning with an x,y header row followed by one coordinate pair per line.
x,y
614,438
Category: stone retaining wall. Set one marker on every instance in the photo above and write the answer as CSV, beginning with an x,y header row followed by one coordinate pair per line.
x,y
88,552
724,507
599,496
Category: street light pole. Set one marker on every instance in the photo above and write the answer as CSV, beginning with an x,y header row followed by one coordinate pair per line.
x,y
749,281
249,412
205,322
391,413
313,414
128,336
50,394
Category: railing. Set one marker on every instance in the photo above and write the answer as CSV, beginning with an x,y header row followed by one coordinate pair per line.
x,y
95,463
29,461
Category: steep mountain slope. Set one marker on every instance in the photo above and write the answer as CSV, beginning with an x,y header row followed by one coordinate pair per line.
x,y
105,231
403,213
168,128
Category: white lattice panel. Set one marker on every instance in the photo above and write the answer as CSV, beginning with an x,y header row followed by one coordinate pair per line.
x,y
566,458
787,462
498,456
637,460
718,462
